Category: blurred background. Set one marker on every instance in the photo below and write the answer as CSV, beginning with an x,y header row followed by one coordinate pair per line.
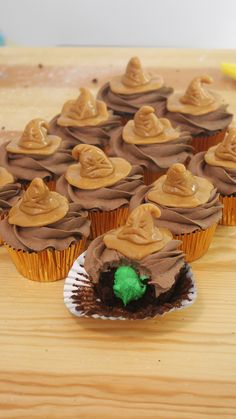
x,y
166,23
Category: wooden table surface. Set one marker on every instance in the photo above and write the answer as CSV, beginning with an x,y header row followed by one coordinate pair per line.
x,y
53,365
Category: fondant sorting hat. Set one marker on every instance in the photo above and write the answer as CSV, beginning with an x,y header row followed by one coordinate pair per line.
x,y
197,100
135,80
139,237
180,188
84,111
5,177
38,207
224,153
35,140
94,169
147,128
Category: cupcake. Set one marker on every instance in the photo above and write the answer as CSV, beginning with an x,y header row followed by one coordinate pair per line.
x,y
35,154
10,192
43,234
190,208
150,142
84,121
201,112
133,272
126,93
102,186
218,165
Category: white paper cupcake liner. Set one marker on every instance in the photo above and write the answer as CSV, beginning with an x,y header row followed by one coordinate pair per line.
x,y
77,279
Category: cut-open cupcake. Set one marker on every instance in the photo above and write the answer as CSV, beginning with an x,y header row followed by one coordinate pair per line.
x,y
134,272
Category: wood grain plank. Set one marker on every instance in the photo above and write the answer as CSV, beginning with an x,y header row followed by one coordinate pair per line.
x,y
53,365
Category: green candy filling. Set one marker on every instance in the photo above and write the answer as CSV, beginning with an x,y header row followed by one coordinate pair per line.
x,y
128,285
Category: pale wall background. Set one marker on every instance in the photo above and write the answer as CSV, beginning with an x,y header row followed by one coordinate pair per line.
x,y
166,23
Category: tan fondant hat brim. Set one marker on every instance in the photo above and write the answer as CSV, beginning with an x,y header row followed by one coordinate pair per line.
x,y
14,147
20,218
202,195
213,160
121,169
5,177
175,105
129,249
117,86
130,137
102,116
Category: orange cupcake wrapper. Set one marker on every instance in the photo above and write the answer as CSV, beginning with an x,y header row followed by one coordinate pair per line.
x,y
203,143
3,215
103,221
47,265
196,244
229,210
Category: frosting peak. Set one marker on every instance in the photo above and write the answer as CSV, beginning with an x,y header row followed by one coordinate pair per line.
x,y
146,123
138,237
134,75
226,150
84,111
180,181
196,94
94,169
38,206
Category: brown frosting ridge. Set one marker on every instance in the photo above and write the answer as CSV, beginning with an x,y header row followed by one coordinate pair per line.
x,y
9,194
201,124
98,135
161,267
27,167
106,198
129,104
183,220
155,157
59,235
224,179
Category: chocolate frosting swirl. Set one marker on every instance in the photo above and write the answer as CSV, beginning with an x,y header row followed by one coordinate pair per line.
x,y
98,135
58,236
152,156
183,220
9,194
223,179
161,266
129,104
203,124
107,198
27,167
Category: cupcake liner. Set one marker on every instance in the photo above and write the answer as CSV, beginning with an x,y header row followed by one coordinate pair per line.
x,y
47,265
150,176
229,210
78,283
3,215
203,143
103,221
196,244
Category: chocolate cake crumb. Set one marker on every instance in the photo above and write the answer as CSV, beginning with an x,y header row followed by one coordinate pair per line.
x,y
3,128
40,65
95,80
88,299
